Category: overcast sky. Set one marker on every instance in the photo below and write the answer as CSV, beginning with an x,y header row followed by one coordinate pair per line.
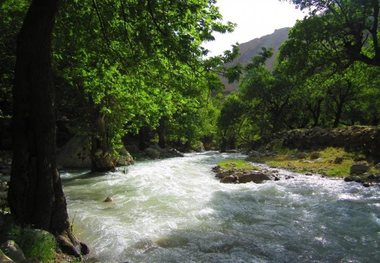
x,y
254,18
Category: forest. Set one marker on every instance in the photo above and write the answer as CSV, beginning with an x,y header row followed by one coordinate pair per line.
x,y
136,72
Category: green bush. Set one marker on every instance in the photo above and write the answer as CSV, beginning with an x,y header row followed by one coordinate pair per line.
x,y
35,243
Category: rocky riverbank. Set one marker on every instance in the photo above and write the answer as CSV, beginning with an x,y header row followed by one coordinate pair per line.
x,y
330,162
239,172
357,139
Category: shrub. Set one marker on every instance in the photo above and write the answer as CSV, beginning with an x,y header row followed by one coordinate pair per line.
x,y
35,243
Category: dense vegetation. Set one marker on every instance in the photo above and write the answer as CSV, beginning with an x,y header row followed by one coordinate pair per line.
x,y
326,75
137,69
119,67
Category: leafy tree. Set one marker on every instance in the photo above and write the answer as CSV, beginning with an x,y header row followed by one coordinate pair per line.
x,y
231,121
345,27
268,91
132,63
139,66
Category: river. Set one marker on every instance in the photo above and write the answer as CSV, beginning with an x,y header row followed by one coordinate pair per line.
x,y
174,210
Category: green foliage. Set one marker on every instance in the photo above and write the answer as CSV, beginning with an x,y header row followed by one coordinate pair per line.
x,y
323,165
348,30
140,63
36,244
11,13
321,77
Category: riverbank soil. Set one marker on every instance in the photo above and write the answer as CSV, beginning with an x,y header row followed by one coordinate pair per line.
x,y
352,153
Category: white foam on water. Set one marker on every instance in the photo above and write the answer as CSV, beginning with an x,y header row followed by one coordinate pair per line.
x,y
174,210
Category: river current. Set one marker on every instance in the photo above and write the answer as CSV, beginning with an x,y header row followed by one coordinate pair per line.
x,y
174,210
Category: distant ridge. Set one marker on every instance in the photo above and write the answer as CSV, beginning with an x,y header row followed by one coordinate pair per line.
x,y
252,48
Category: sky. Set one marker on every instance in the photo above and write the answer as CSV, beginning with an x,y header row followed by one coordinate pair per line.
x,y
254,18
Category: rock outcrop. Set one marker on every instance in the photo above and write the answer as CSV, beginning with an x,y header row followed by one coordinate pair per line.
x,y
156,152
240,176
353,138
76,154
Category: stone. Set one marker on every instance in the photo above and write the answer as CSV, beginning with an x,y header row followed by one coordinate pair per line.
x,y
125,158
75,153
359,168
84,249
374,177
67,246
152,153
230,179
13,251
256,177
170,153
300,155
315,155
221,173
359,158
108,199
353,178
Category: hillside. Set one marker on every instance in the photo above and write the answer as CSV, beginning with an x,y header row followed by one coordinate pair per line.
x,y
253,47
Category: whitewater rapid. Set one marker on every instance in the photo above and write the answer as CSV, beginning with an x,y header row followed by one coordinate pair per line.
x,y
174,210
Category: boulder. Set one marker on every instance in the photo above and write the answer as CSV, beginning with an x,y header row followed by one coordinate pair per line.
x,y
109,199
221,173
230,179
170,152
125,158
374,178
13,251
354,178
298,155
152,153
75,153
339,160
315,155
359,168
256,177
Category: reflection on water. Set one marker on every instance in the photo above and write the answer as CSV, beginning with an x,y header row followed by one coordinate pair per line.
x,y
175,211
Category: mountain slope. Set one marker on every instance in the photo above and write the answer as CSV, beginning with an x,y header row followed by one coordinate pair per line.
x,y
252,48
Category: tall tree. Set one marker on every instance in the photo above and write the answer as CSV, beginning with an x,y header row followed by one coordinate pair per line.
x,y
350,27
36,197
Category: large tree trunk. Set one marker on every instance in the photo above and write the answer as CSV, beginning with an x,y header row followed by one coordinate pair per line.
x,y
36,197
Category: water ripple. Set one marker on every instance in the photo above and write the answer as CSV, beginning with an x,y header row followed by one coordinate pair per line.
x,y
174,210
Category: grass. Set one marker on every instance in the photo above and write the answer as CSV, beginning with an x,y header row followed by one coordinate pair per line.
x,y
325,164
236,164
36,244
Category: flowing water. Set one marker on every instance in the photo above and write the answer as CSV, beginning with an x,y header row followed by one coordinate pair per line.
x,y
174,210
